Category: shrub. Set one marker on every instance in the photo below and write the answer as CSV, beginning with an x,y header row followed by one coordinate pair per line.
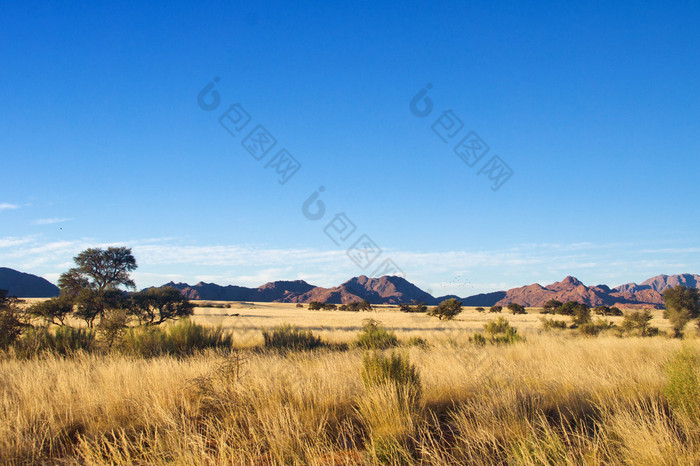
x,y
52,311
480,309
478,339
516,308
416,307
112,326
581,314
183,338
329,307
498,331
315,306
637,323
12,322
683,387
63,341
396,369
447,309
607,311
594,328
496,309
551,307
682,304
188,337
419,342
549,323
375,336
300,305
291,338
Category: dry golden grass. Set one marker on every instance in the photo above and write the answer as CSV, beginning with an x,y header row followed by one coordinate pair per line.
x,y
553,399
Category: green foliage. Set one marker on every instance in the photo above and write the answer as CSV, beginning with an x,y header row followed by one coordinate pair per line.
x,y
516,308
92,303
637,323
447,309
419,342
183,338
52,311
417,307
593,328
397,370
375,336
681,306
101,269
112,326
551,307
356,306
12,320
498,331
683,386
157,305
580,314
607,311
63,341
329,307
496,309
549,323
315,306
480,309
291,338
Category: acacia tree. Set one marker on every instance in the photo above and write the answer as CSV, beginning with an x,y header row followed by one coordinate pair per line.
x,y
93,286
447,309
681,306
156,305
52,311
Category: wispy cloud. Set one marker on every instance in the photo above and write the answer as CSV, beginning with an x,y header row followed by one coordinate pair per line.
x,y
50,221
6,206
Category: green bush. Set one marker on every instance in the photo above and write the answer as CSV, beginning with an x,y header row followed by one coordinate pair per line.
x,y
637,323
183,338
419,342
375,336
497,309
396,369
480,309
63,341
592,329
291,338
516,308
683,387
315,306
329,307
549,323
499,331
478,339
447,309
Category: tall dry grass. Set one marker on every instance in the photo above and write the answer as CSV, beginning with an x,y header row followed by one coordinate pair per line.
x,y
549,400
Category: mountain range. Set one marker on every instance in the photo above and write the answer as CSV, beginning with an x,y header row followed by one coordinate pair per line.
x,y
395,290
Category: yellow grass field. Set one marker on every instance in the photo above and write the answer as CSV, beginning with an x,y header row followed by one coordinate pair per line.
x,y
555,398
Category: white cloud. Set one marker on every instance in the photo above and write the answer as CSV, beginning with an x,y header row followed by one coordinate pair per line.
x,y
50,221
6,206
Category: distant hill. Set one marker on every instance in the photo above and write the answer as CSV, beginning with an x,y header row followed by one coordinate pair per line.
x,y
648,294
25,285
395,290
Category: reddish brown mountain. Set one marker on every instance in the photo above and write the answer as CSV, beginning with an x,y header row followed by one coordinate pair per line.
x,y
384,290
571,289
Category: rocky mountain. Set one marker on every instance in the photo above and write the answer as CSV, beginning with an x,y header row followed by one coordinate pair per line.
x,y
279,291
648,294
395,290
26,285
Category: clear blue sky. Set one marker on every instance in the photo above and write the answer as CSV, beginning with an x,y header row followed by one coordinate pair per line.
x,y
594,107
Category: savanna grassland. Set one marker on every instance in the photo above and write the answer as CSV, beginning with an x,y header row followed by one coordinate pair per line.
x,y
546,397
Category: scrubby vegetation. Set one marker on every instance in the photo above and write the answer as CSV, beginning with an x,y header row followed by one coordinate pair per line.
x,y
375,336
447,309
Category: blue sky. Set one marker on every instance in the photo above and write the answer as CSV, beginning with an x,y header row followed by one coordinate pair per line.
x,y
595,109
